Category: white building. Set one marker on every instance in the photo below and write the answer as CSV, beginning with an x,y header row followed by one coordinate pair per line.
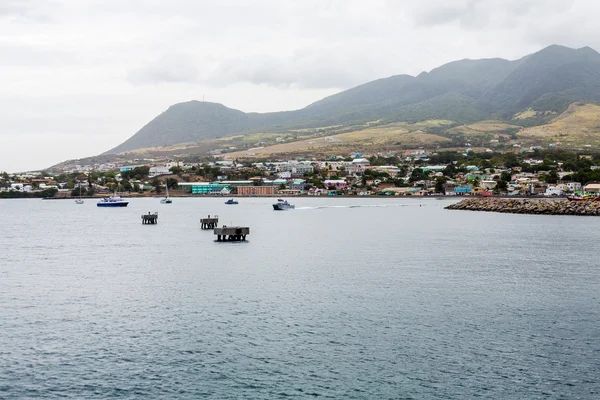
x,y
553,191
489,184
156,171
592,187
361,161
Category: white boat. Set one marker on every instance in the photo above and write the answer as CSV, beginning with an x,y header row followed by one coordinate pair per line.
x,y
79,200
282,205
166,200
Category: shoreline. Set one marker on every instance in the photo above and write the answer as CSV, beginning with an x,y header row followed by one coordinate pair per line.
x,y
346,196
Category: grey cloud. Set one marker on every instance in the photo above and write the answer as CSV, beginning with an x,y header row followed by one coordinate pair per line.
x,y
479,14
25,55
28,11
173,68
305,69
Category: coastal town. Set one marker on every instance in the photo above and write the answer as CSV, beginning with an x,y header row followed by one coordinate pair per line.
x,y
419,172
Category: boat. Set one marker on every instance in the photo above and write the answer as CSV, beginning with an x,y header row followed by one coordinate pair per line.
x,y
231,201
79,200
282,205
112,201
579,197
166,200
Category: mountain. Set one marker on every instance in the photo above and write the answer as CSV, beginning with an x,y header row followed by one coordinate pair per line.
x,y
548,80
462,91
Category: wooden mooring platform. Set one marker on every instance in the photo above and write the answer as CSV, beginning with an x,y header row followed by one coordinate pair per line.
x,y
150,219
209,222
232,233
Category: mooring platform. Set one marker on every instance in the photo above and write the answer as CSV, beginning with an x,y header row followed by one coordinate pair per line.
x,y
232,233
209,222
150,218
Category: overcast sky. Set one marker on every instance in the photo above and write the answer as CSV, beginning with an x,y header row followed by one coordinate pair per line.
x,y
79,77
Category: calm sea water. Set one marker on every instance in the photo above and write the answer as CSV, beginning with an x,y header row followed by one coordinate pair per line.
x,y
340,298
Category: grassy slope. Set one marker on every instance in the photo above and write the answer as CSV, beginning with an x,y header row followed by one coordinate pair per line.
x,y
578,125
379,138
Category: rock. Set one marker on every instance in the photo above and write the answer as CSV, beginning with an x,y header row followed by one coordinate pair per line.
x,y
528,206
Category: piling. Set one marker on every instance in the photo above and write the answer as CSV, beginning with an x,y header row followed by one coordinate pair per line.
x,y
209,222
232,233
150,219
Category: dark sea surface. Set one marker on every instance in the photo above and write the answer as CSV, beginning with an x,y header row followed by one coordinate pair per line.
x,y
340,298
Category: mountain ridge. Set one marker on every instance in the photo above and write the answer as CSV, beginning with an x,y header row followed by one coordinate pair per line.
x,y
464,91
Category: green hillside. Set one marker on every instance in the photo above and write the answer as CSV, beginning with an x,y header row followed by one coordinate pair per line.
x,y
463,91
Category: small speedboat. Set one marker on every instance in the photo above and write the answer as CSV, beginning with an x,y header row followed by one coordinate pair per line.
x,y
231,201
282,205
113,201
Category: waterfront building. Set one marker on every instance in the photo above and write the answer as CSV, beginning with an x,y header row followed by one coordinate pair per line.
x,y
463,189
256,190
206,188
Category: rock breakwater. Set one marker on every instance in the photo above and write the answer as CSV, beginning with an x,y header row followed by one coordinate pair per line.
x,y
529,206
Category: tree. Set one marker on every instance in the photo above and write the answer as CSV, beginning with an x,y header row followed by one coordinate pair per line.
x,y
440,184
172,183
176,170
126,185
449,171
552,177
506,176
156,183
502,186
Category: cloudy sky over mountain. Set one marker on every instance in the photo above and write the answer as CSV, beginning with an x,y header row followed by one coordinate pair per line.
x,y
80,76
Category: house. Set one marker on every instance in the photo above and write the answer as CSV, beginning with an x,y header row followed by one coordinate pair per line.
x,y
337,183
553,191
298,184
156,171
314,191
389,169
489,184
361,161
436,168
592,187
480,191
574,186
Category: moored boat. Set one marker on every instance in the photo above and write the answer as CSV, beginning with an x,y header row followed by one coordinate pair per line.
x,y
166,200
579,197
231,201
283,205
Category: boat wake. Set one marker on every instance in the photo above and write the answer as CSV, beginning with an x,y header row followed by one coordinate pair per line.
x,y
358,206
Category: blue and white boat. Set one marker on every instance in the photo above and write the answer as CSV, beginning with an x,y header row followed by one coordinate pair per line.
x,y
113,201
283,205
231,201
